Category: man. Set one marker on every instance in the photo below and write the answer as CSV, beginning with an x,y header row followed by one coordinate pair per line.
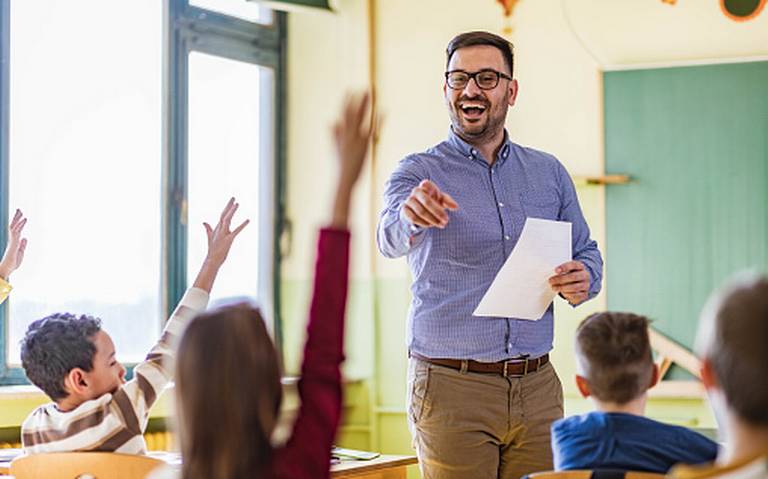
x,y
731,342
482,394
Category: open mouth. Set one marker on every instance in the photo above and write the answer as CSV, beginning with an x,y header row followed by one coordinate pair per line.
x,y
472,110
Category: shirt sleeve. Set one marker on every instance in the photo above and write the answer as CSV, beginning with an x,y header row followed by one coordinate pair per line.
x,y
308,452
151,376
5,290
584,247
395,235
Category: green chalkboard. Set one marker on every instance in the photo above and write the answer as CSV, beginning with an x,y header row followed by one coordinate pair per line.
x,y
695,142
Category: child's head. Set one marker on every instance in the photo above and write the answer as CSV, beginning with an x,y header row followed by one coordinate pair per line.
x,y
732,343
228,393
614,359
70,357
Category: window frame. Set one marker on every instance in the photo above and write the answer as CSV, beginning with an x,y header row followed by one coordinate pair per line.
x,y
186,29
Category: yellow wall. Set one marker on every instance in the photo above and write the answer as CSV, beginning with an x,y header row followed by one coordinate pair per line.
x,y
562,48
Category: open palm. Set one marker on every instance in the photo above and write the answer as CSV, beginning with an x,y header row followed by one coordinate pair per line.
x,y
14,251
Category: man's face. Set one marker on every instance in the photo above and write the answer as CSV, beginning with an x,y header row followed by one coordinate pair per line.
x,y
478,114
107,374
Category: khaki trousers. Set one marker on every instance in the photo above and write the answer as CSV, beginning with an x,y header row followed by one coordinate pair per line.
x,y
481,426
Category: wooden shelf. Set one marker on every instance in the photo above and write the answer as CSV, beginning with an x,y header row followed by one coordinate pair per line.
x,y
601,180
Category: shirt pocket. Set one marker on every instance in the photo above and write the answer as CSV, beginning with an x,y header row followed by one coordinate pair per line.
x,y
541,203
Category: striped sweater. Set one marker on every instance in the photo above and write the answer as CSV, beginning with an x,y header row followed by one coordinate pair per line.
x,y
114,422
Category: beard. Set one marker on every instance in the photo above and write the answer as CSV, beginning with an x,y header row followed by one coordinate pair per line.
x,y
482,128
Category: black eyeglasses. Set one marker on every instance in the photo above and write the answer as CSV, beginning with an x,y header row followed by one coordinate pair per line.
x,y
486,79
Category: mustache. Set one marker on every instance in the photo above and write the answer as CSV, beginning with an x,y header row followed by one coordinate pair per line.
x,y
477,98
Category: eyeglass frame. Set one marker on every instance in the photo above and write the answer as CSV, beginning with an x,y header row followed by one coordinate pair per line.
x,y
473,76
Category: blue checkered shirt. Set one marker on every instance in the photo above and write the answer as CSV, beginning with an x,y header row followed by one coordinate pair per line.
x,y
453,267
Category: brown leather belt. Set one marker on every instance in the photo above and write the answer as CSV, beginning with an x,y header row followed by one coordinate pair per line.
x,y
509,368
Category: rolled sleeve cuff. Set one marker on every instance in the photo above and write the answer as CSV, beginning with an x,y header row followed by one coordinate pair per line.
x,y
409,228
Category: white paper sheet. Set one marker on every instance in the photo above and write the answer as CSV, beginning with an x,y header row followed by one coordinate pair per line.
x,y
521,287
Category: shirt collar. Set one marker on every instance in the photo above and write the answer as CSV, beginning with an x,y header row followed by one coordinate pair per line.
x,y
470,152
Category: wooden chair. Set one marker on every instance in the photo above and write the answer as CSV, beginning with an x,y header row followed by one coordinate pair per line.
x,y
596,474
93,465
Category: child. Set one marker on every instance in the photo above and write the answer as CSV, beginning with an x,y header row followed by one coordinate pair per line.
x,y
228,390
732,342
14,253
615,368
73,361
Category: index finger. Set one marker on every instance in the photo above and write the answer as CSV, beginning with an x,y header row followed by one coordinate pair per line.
x,y
569,266
448,202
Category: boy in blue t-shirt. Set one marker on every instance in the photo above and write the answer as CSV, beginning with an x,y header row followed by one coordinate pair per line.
x,y
616,369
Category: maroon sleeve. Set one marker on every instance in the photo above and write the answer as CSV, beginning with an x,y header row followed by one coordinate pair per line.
x,y
308,451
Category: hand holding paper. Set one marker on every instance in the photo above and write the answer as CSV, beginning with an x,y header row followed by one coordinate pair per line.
x,y
521,288
572,282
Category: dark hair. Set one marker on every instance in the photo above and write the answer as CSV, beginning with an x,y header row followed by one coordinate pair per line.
x,y
733,336
615,354
55,345
228,393
471,39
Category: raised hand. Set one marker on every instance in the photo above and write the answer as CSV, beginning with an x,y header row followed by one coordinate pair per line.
x,y
221,237
426,206
14,251
220,241
352,134
571,281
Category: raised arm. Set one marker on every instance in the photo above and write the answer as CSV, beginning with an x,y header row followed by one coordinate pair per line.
x,y
307,453
152,375
14,252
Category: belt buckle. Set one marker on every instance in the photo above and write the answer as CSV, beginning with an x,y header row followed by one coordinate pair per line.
x,y
515,361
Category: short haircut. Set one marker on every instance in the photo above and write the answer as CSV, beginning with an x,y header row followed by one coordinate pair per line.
x,y
55,345
614,352
472,39
733,338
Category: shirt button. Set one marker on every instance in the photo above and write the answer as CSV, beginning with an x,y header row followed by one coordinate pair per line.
x,y
506,237
501,204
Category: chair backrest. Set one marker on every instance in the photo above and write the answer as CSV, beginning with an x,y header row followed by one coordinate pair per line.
x,y
85,465
596,474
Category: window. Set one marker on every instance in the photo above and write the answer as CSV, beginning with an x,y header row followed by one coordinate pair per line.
x,y
224,140
116,158
246,10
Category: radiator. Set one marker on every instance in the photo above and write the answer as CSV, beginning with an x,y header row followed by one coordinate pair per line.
x,y
156,441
